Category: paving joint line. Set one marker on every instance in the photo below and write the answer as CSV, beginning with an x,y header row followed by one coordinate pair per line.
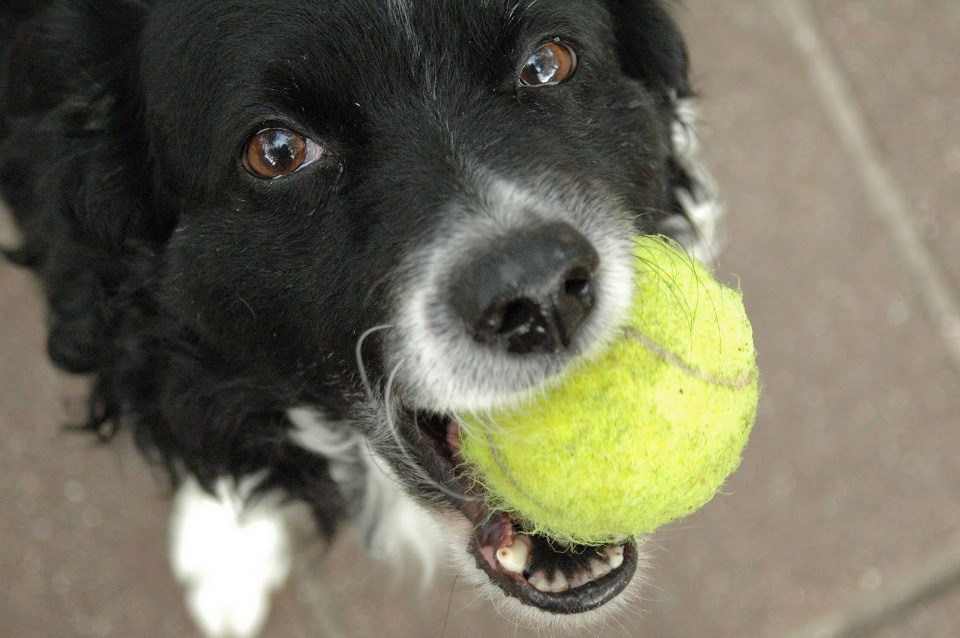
x,y
938,577
885,192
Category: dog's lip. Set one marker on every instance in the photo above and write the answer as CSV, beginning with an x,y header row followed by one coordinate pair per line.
x,y
495,530
576,599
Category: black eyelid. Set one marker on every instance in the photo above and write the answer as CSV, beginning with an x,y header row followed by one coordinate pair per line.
x,y
265,124
550,38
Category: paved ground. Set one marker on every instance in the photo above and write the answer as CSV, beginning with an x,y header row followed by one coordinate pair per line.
x,y
834,129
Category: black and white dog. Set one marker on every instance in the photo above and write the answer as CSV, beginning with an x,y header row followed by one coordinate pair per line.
x,y
292,241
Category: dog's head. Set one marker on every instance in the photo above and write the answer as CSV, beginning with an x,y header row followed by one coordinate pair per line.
x,y
396,210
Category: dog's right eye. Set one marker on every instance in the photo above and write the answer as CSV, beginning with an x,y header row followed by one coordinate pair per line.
x,y
279,152
551,64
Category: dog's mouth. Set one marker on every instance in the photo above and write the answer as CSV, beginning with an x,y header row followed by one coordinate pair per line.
x,y
547,573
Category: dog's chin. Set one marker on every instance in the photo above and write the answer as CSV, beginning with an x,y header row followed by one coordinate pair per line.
x,y
533,578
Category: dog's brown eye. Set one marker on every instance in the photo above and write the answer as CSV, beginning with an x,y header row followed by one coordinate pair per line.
x,y
278,152
550,64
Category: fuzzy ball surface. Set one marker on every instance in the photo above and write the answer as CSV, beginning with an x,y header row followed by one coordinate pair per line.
x,y
643,433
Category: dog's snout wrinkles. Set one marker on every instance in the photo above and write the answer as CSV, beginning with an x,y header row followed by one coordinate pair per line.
x,y
529,292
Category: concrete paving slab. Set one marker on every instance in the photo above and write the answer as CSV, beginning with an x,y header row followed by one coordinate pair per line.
x,y
850,477
890,606
900,56
78,522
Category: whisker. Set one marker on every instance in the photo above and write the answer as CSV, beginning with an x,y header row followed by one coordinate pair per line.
x,y
358,353
404,450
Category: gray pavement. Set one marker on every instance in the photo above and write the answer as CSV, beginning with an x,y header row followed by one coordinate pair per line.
x,y
834,129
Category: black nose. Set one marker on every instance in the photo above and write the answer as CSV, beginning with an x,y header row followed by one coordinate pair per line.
x,y
529,292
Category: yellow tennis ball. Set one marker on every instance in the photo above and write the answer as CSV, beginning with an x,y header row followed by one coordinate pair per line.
x,y
643,433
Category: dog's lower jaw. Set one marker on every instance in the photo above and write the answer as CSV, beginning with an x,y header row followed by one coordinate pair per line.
x,y
532,617
458,534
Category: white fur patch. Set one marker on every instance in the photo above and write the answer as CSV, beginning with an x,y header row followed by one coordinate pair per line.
x,y
396,526
229,556
698,229
393,525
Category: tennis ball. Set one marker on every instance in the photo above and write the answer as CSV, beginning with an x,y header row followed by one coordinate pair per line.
x,y
641,434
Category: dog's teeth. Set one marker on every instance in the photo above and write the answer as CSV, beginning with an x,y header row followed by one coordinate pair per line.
x,y
538,580
564,545
514,558
560,583
580,579
614,556
599,569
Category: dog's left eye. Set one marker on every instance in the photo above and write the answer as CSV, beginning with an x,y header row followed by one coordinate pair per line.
x,y
279,152
552,63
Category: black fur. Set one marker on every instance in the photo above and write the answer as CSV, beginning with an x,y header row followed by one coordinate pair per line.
x,y
204,302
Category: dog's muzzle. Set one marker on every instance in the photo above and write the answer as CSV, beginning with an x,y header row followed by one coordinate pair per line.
x,y
500,302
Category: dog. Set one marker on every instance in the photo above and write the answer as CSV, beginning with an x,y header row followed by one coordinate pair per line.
x,y
292,242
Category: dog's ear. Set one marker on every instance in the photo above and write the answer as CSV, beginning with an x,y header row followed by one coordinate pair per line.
x,y
650,46
73,139
73,162
652,50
